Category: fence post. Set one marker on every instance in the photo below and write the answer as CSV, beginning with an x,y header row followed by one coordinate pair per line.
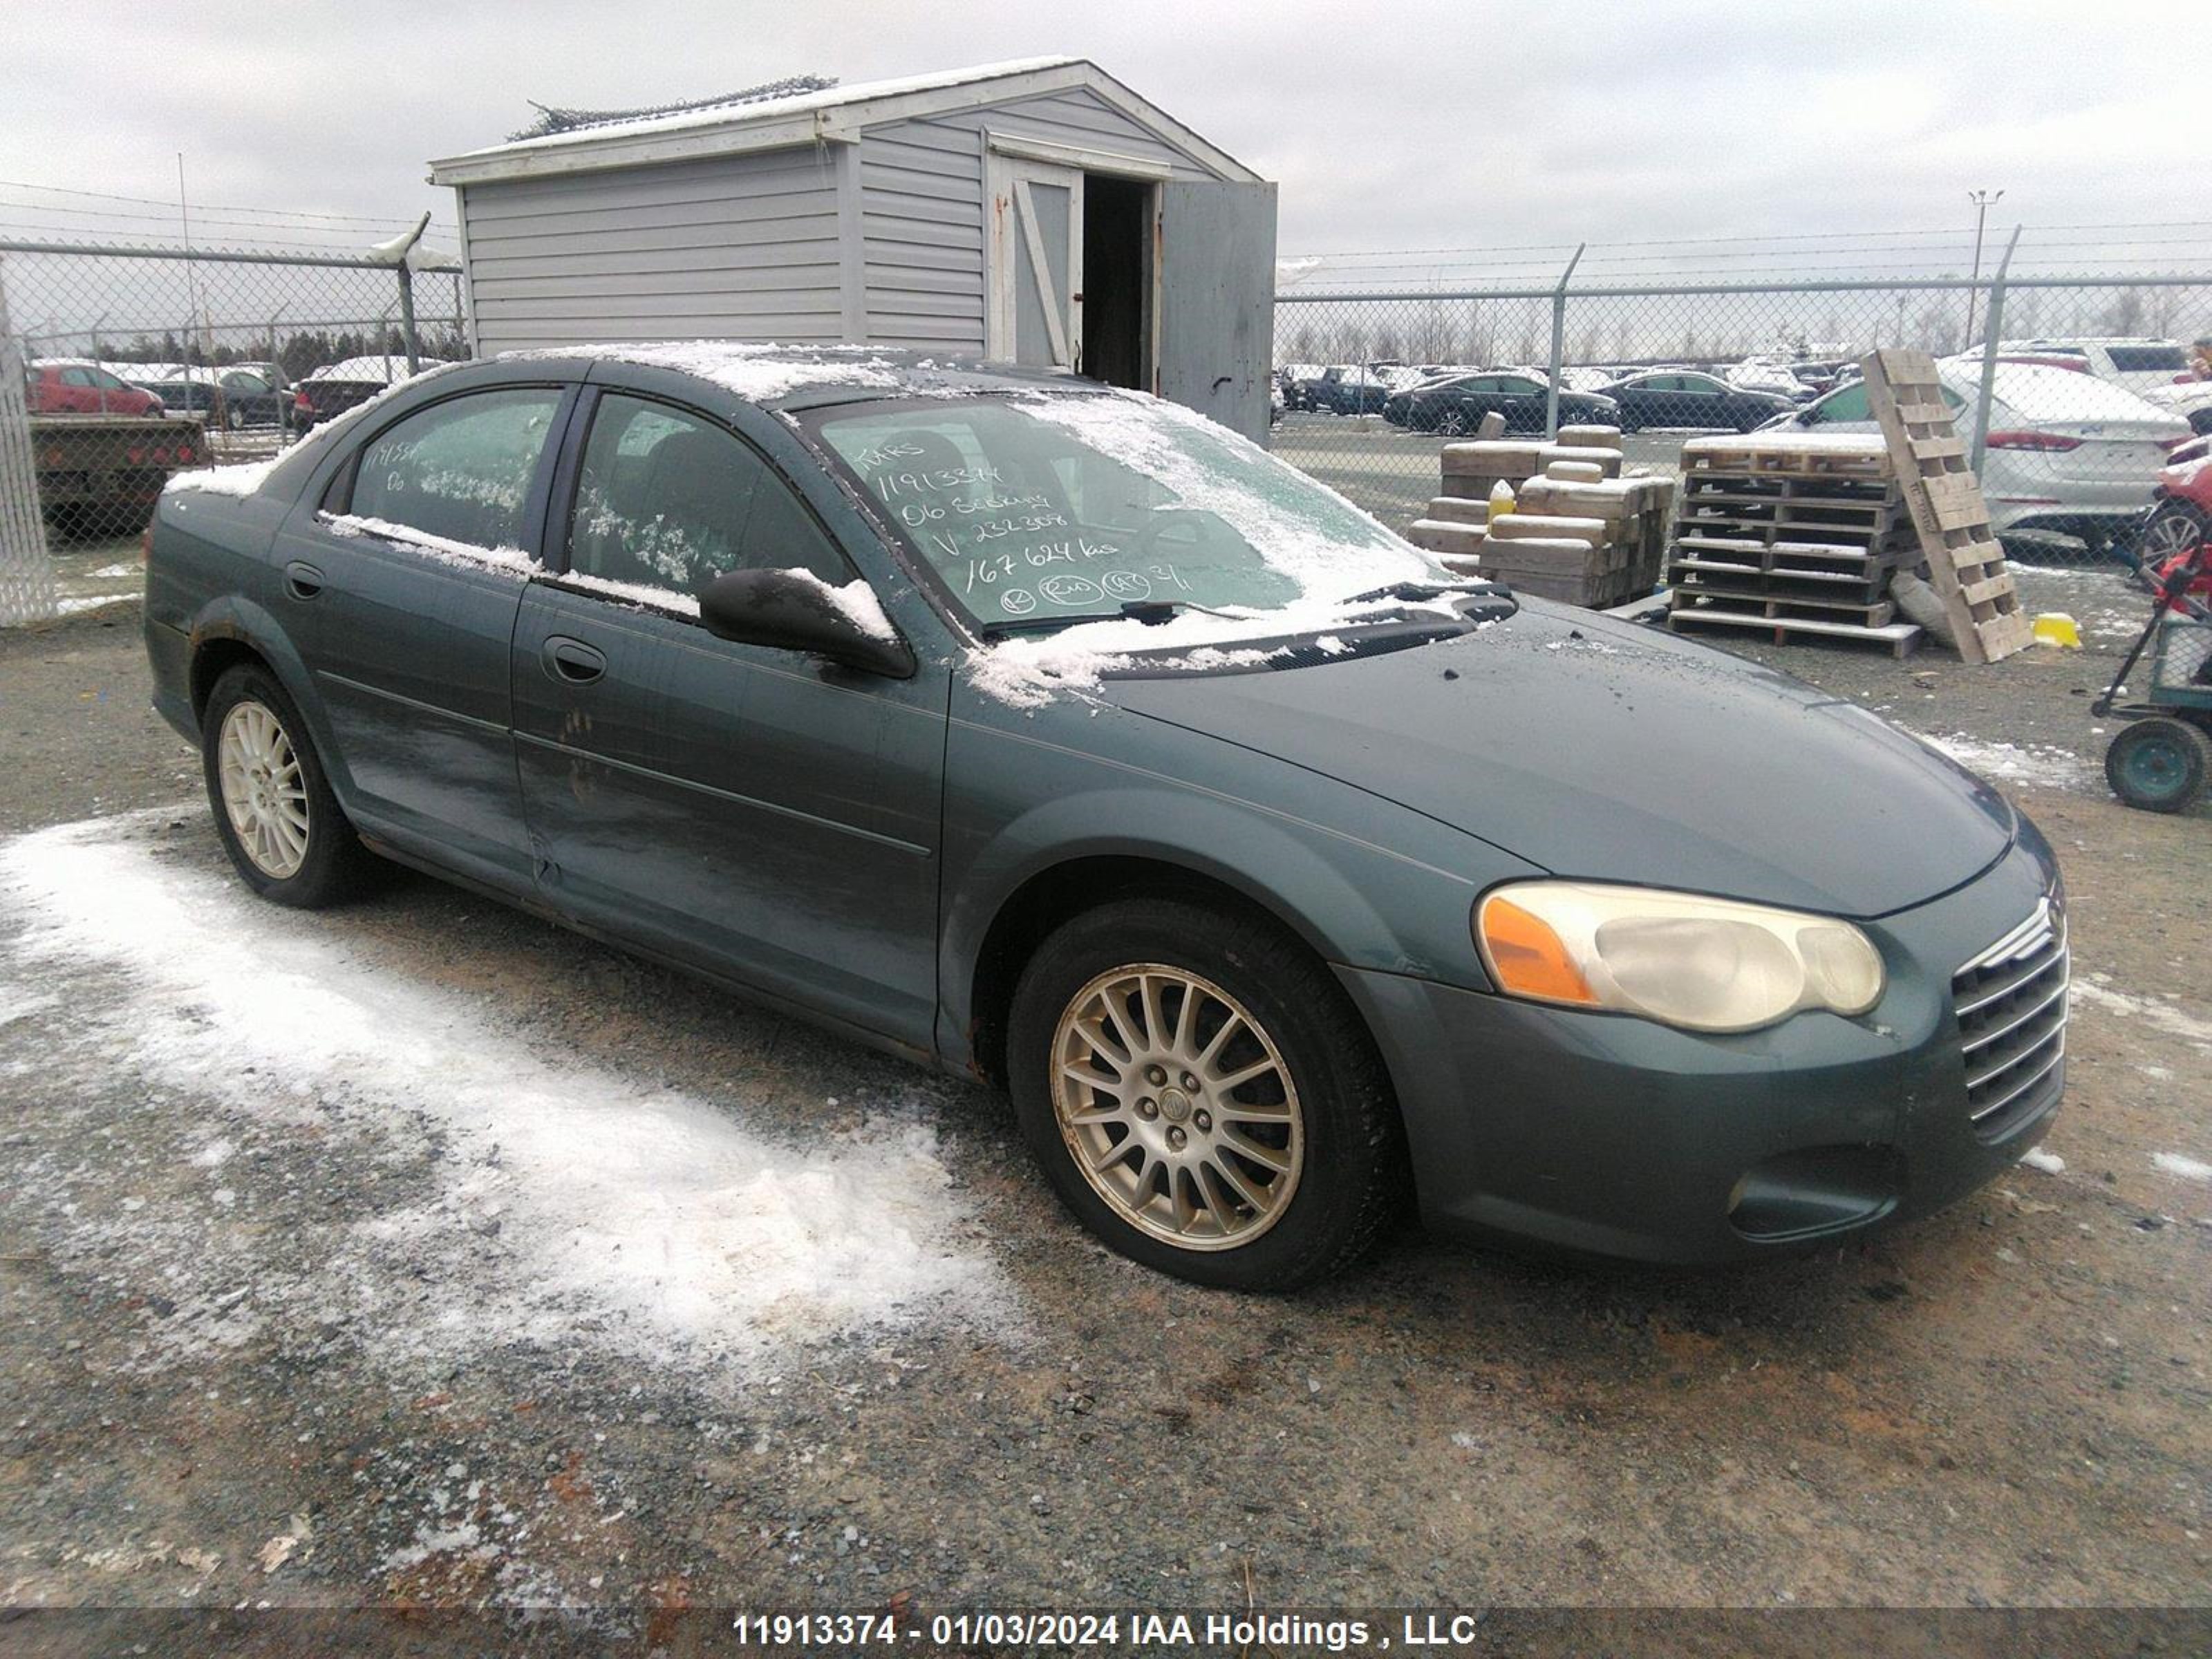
x,y
1558,344
27,573
401,249
1992,329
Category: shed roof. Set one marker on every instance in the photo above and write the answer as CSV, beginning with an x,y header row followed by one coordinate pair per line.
x,y
830,115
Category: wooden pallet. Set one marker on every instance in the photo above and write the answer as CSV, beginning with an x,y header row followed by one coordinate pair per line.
x,y
1900,638
1781,607
1965,566
1793,557
1812,587
1783,454
1731,487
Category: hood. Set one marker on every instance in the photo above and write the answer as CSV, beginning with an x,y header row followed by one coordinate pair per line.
x,y
1595,749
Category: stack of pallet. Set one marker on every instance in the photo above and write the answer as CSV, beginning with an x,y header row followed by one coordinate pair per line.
x,y
1578,532
1791,533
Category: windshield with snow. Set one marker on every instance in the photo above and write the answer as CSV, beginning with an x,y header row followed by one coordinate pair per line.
x,y
1035,512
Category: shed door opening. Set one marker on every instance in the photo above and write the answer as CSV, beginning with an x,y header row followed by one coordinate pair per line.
x,y
1117,216
1036,318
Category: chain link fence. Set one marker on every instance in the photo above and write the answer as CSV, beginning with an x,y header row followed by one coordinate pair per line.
x,y
2071,390
132,363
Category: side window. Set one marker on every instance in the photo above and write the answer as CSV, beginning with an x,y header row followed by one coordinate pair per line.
x,y
106,381
459,469
1848,405
668,499
78,377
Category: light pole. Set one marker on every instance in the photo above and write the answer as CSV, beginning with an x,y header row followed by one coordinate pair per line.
x,y
1981,200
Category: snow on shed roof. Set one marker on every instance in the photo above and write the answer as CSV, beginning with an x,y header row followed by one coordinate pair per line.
x,y
748,120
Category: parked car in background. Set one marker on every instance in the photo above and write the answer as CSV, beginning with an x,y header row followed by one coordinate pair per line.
x,y
2190,399
1350,389
1456,407
1302,384
2068,453
2181,514
77,386
2137,363
234,398
1258,941
1767,374
330,391
1683,398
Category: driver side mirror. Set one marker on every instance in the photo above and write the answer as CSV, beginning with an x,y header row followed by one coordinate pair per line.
x,y
793,610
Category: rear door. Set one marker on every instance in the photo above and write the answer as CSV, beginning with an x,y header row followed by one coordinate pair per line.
x,y
1217,287
1036,224
401,589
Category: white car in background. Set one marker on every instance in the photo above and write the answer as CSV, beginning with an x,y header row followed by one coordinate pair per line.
x,y
2190,399
2139,364
2068,453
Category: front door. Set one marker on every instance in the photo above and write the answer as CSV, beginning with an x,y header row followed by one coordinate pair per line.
x,y
757,813
1035,225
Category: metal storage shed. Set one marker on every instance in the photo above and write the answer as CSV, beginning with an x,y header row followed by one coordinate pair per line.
x,y
1037,212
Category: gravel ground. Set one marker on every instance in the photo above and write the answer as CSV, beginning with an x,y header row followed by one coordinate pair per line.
x,y
297,1312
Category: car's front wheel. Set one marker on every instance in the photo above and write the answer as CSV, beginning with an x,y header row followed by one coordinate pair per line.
x,y
282,827
1452,423
1203,1096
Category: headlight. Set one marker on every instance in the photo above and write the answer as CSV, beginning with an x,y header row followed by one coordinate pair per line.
x,y
1704,964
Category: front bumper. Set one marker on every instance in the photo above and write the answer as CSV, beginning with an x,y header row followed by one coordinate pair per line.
x,y
1611,1135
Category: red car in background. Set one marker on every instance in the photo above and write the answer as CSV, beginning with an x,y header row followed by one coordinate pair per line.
x,y
66,386
2181,512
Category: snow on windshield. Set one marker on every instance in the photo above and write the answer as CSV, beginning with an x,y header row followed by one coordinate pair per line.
x,y
1044,515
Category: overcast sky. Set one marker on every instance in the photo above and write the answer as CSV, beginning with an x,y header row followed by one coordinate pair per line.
x,y
1411,125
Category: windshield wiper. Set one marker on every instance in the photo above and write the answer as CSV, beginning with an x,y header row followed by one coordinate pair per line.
x,y
1421,591
1151,612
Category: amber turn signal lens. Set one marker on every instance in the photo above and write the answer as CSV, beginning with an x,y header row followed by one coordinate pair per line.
x,y
1527,957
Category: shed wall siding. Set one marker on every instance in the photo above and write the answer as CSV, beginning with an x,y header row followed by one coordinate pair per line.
x,y
921,193
736,248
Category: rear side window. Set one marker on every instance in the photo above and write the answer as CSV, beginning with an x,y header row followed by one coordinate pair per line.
x,y
669,499
459,469
2147,360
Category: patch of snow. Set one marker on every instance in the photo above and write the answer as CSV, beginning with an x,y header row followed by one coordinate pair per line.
x,y
511,560
758,371
242,479
70,604
2188,1168
769,109
567,1205
2038,766
630,593
2050,1163
857,600
2091,991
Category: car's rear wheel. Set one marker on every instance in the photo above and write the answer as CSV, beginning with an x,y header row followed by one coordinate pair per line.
x,y
2158,764
282,827
2177,527
1200,1092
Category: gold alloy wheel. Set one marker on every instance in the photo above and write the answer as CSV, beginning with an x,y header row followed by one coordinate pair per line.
x,y
264,791
1177,1107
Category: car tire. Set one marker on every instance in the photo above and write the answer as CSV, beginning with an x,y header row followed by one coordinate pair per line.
x,y
2172,529
287,835
2158,764
1285,1162
1451,424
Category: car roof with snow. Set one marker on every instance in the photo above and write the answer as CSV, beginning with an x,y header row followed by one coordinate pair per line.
x,y
807,376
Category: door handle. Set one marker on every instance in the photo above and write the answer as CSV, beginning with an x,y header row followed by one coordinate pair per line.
x,y
302,581
571,661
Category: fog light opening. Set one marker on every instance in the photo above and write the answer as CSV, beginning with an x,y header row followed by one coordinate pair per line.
x,y
1817,1190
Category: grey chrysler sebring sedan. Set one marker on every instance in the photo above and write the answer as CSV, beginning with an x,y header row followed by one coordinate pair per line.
x,y
1056,736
